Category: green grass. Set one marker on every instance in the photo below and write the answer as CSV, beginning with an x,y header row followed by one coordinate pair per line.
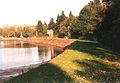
x,y
83,62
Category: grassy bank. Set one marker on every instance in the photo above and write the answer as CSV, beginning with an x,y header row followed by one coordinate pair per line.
x,y
85,62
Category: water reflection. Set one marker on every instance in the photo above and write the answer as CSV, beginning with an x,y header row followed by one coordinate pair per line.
x,y
15,44
16,54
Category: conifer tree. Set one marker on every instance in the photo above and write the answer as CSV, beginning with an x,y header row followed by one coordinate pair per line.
x,y
109,29
57,25
52,25
45,28
88,19
69,22
61,25
39,28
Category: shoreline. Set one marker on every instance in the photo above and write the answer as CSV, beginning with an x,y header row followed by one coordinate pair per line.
x,y
16,71
55,42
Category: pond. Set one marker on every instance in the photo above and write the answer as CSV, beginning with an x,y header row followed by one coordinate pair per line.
x,y
15,54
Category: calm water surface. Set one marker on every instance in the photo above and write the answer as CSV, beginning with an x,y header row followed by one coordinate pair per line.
x,y
17,54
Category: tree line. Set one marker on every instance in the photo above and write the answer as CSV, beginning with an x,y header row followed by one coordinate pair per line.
x,y
96,21
83,26
17,31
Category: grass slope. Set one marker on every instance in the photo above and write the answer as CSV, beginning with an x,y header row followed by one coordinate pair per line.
x,y
83,62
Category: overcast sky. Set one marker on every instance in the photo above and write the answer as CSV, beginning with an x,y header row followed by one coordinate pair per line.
x,y
30,11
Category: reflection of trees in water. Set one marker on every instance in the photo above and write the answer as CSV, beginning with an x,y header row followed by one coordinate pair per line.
x,y
26,45
57,52
15,44
17,56
43,53
41,49
47,53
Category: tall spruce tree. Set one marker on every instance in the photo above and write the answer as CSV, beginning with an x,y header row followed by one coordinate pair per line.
x,y
70,19
69,22
39,28
51,24
109,29
88,19
61,25
45,28
57,25
75,28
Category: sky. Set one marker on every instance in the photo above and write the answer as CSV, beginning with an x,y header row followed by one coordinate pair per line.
x,y
17,12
